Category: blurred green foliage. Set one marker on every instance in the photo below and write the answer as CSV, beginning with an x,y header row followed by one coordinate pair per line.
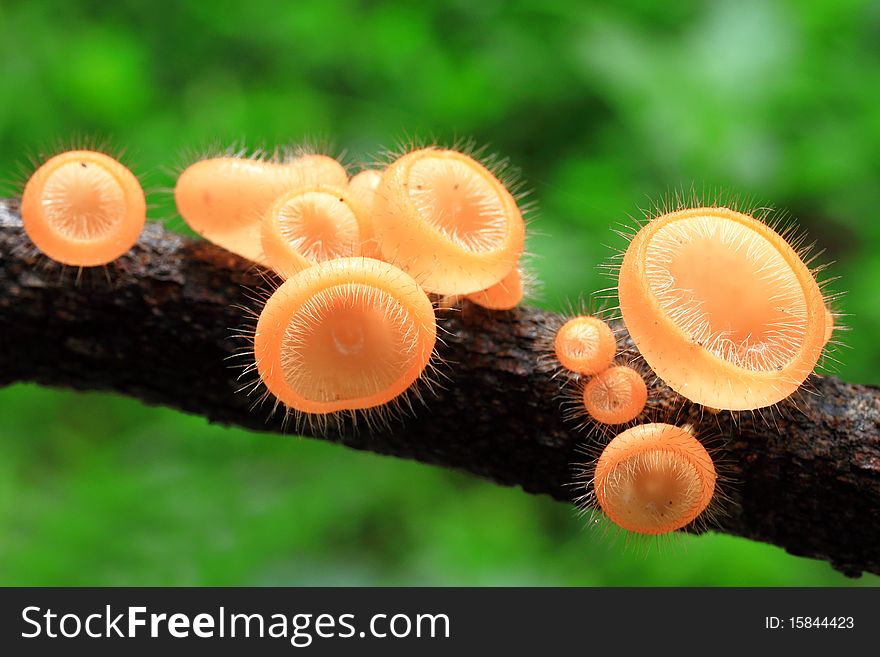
x,y
606,107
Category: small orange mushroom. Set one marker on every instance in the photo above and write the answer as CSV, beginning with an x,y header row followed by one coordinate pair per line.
x,y
616,395
585,345
448,221
224,199
722,308
83,208
654,479
310,225
504,295
343,335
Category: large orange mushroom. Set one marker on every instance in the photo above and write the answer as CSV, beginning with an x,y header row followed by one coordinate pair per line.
x,y
344,335
722,308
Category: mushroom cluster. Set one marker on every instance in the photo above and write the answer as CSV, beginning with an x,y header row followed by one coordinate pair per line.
x,y
610,394
730,316
353,328
225,199
717,302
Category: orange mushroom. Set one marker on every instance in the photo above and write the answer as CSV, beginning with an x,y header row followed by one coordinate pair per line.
x,y
654,479
310,225
504,295
448,221
343,335
585,345
616,395
83,208
721,308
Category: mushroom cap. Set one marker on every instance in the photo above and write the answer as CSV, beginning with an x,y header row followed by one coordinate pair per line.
x,y
654,479
83,208
223,199
317,168
346,334
504,295
616,395
362,188
721,307
448,221
310,225
585,345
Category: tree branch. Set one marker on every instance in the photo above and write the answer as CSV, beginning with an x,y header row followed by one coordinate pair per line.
x,y
158,327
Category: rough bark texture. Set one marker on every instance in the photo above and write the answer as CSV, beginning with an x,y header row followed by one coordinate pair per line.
x,y
157,325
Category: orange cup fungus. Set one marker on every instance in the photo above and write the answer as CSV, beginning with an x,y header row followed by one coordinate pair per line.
x,y
83,208
362,188
585,345
722,308
504,295
616,395
448,221
224,199
654,479
310,225
343,335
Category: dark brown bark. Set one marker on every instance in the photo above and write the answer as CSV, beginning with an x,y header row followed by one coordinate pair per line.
x,y
158,324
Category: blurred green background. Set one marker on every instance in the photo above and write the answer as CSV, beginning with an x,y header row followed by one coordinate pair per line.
x,y
605,107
